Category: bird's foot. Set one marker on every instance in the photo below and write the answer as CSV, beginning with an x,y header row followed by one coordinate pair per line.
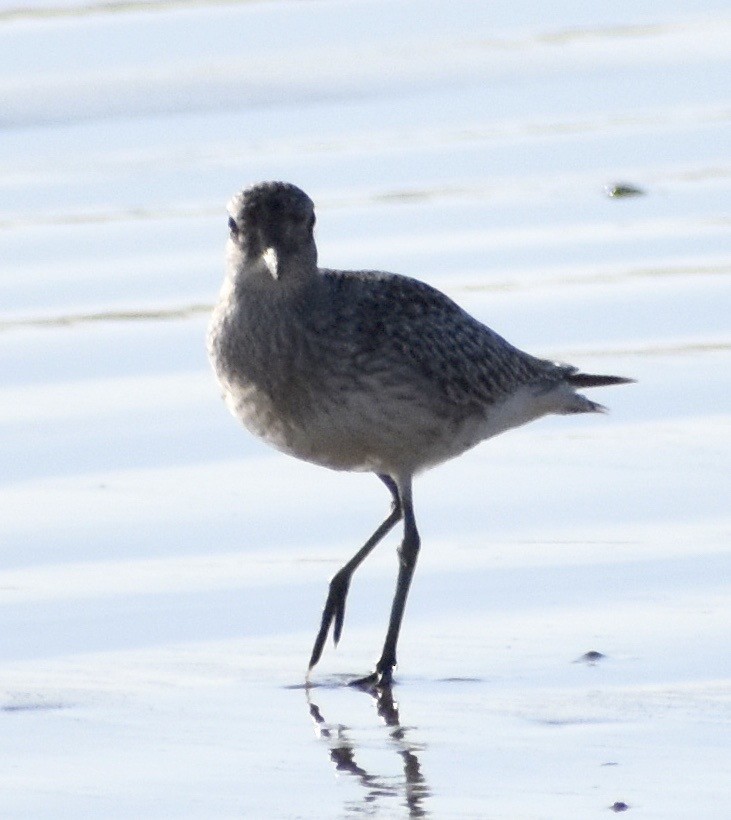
x,y
381,678
332,615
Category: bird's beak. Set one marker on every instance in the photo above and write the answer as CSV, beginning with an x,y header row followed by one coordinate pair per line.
x,y
271,260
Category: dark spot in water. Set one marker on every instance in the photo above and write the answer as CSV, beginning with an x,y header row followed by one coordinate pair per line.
x,y
619,806
577,721
610,763
460,680
31,707
591,657
622,189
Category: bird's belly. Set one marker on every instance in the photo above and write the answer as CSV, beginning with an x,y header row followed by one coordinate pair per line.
x,y
371,432
351,431
292,428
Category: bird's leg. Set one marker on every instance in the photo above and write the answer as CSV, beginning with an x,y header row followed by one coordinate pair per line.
x,y
408,553
334,611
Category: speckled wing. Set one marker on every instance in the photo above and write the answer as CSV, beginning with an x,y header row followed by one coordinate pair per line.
x,y
396,323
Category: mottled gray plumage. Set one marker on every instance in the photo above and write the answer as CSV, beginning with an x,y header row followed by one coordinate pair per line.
x,y
364,371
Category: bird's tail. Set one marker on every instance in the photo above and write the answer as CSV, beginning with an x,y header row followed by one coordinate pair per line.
x,y
580,404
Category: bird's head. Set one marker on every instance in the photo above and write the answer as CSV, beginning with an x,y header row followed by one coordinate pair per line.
x,y
271,224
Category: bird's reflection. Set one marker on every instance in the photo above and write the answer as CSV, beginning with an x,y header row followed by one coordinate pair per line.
x,y
343,752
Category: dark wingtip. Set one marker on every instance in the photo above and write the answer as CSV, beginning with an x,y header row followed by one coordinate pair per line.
x,y
591,380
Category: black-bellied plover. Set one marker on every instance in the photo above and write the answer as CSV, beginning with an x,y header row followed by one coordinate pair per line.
x,y
364,371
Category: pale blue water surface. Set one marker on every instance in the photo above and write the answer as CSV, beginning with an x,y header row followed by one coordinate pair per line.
x,y
162,573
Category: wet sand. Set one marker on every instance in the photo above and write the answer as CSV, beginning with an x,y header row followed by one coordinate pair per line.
x,y
162,573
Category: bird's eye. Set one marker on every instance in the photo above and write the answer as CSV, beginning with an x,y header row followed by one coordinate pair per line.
x,y
232,226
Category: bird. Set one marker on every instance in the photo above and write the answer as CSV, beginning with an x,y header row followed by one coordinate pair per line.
x,y
364,371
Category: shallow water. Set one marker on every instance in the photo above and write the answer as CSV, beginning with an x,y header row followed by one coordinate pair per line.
x,y
162,573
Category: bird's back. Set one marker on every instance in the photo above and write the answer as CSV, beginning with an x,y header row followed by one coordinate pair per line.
x,y
396,324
